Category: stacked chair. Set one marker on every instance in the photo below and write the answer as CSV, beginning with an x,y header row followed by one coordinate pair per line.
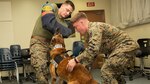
x,y
26,63
143,52
16,54
11,59
7,63
25,59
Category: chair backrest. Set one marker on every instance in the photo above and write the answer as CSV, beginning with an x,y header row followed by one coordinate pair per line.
x,y
144,44
6,61
15,51
78,47
25,53
5,55
16,54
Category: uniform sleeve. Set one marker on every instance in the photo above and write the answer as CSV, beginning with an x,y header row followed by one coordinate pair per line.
x,y
50,23
95,36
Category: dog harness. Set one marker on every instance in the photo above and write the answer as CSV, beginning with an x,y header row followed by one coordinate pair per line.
x,y
58,58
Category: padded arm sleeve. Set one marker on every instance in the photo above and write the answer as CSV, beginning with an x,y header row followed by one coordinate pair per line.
x,y
50,23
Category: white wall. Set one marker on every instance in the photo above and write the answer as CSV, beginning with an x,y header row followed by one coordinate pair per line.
x,y
24,13
6,25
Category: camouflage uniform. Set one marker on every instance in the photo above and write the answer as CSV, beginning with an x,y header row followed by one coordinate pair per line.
x,y
39,43
39,59
116,44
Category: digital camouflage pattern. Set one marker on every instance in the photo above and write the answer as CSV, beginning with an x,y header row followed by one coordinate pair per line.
x,y
115,44
39,52
39,59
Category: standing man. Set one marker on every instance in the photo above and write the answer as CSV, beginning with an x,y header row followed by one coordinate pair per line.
x,y
51,18
107,39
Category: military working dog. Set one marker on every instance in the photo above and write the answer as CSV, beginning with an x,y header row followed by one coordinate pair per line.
x,y
60,58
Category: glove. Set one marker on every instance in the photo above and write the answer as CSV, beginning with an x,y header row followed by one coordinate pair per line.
x,y
47,8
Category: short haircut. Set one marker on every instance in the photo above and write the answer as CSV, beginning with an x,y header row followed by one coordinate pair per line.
x,y
78,16
70,3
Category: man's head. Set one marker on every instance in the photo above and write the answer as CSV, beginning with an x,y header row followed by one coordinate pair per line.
x,y
80,22
66,9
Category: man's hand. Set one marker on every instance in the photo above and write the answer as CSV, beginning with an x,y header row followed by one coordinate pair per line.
x,y
71,64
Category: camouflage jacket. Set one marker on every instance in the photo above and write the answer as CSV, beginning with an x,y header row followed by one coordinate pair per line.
x,y
106,39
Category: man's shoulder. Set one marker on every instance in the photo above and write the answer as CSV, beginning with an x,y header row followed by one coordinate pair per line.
x,y
54,6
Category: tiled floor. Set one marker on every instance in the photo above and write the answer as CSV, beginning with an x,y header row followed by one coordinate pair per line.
x,y
138,79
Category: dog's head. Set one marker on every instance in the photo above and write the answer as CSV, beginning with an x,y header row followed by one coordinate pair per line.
x,y
57,40
57,44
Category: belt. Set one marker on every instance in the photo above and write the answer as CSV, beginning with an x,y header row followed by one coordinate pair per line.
x,y
41,38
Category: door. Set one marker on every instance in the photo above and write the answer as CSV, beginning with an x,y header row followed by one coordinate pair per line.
x,y
95,15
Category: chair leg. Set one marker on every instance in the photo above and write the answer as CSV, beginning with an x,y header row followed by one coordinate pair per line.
x,y
142,69
24,70
10,74
0,77
17,73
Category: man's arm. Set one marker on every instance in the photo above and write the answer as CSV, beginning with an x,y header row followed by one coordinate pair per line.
x,y
93,47
50,23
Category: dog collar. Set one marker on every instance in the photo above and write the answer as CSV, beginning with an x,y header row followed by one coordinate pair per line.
x,y
58,46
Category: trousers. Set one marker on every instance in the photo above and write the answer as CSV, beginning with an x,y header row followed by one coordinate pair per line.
x,y
39,59
114,66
